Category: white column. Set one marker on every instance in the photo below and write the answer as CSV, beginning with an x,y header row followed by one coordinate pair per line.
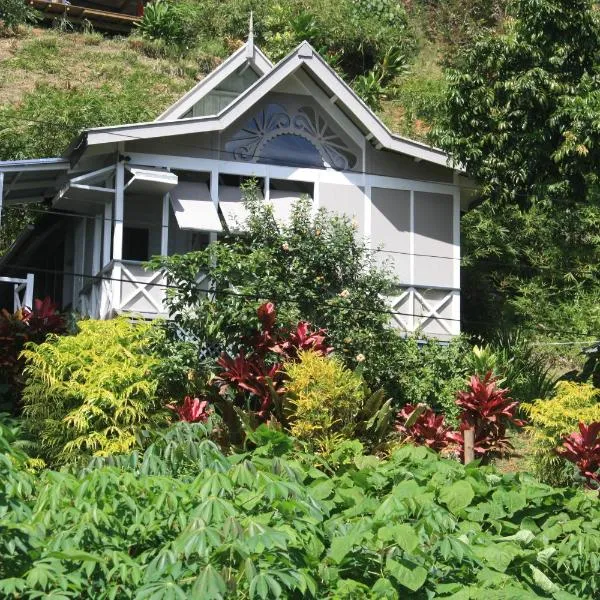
x,y
456,257
412,319
164,232
106,258
214,196
117,251
367,215
28,300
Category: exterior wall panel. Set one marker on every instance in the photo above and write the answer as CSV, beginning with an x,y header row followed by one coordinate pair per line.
x,y
344,200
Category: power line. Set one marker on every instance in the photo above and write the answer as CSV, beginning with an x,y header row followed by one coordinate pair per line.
x,y
263,296
227,152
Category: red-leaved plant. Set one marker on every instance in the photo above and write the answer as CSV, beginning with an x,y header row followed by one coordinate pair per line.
x,y
583,449
193,410
423,427
16,329
488,410
255,379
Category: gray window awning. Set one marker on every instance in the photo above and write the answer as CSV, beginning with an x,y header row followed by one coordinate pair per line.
x,y
194,208
232,207
150,181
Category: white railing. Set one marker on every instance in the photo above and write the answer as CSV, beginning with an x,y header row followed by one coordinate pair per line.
x,y
22,291
430,311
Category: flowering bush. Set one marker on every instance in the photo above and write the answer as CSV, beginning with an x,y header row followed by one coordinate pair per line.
x,y
583,449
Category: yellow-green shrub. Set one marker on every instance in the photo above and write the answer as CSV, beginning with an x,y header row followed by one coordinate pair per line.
x,y
324,398
552,419
90,393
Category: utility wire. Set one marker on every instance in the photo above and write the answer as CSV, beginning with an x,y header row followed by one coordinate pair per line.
x,y
262,296
227,152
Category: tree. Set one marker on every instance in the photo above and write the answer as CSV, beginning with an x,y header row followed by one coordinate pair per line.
x,y
523,109
523,117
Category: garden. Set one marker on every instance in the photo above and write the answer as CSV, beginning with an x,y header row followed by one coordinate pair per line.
x,y
276,438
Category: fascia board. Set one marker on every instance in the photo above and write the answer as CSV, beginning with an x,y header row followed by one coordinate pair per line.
x,y
213,79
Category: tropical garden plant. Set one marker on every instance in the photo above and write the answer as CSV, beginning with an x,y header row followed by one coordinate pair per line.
x,y
554,418
183,520
93,393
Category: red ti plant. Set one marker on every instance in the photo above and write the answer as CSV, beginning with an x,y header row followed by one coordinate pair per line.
x,y
255,379
421,426
583,449
488,410
193,410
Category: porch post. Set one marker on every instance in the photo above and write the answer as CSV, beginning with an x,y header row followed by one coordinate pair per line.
x,y
214,196
107,234
164,232
411,319
456,256
117,251
96,259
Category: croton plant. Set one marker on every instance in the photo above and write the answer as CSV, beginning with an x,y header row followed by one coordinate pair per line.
x,y
583,449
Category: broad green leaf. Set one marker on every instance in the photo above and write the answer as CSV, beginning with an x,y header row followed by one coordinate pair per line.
x,y
411,578
403,535
209,585
457,496
543,581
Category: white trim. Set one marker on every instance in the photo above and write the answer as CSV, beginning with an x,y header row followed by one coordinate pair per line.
x,y
1,194
293,173
368,211
240,58
411,240
456,256
39,164
302,57
94,175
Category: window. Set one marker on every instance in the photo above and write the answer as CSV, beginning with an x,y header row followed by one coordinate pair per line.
x,y
291,149
136,244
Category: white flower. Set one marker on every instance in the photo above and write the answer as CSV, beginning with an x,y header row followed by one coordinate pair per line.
x,y
344,294
285,246
360,358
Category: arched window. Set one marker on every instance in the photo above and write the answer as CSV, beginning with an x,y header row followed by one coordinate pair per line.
x,y
303,138
291,149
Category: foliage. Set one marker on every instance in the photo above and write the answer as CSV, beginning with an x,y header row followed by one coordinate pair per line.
x,y
91,393
554,418
325,397
521,115
14,13
315,269
193,410
171,22
430,373
183,520
487,409
254,382
16,330
583,449
517,101
421,426
591,368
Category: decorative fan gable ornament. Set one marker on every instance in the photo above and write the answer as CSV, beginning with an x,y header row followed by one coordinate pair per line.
x,y
254,142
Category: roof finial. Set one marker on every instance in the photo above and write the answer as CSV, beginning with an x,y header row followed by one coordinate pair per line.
x,y
250,43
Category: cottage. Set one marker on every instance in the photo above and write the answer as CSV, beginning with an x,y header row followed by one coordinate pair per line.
x,y
122,194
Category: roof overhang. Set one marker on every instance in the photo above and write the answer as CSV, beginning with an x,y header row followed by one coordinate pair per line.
x,y
25,181
303,57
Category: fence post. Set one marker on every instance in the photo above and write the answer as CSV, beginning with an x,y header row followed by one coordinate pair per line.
x,y
469,452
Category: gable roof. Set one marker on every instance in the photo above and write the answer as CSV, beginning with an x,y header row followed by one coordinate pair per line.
x,y
247,56
303,57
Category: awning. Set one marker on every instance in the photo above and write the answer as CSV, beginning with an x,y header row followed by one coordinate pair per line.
x,y
232,206
150,181
194,208
282,202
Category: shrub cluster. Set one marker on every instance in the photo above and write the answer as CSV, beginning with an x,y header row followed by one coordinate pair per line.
x,y
184,520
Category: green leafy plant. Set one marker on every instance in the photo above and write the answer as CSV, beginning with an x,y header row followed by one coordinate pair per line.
x,y
324,397
554,418
91,393
184,520
14,13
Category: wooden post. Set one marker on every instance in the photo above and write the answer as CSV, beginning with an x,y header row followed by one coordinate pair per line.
x,y
469,437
